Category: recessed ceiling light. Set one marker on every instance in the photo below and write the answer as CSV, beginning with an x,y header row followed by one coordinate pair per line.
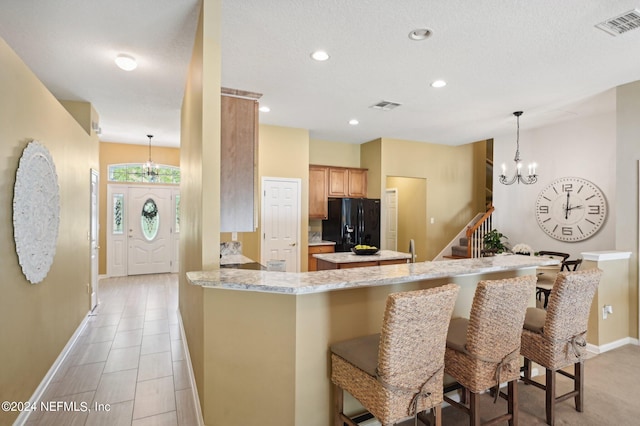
x,y
320,55
420,34
264,108
439,83
126,62
354,122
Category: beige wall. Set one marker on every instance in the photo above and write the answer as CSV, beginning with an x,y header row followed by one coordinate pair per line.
x,y
412,214
284,152
627,188
326,153
613,290
200,188
39,319
116,153
453,196
372,160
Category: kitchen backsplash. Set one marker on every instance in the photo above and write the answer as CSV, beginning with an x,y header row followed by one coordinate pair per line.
x,y
229,248
315,237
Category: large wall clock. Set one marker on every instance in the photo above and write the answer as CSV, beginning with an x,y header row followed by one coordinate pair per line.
x,y
571,209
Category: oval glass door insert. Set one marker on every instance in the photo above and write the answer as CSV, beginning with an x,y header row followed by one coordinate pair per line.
x,y
150,219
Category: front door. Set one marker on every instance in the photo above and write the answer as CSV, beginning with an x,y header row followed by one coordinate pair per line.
x,y
149,226
281,222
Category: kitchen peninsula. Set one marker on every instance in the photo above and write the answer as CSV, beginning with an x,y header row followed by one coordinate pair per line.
x,y
268,333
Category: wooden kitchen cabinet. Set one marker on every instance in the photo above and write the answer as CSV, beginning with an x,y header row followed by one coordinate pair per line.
x,y
357,187
347,182
313,262
318,180
238,160
334,182
338,183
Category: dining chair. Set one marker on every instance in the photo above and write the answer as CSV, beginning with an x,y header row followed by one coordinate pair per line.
x,y
556,338
545,283
398,373
483,351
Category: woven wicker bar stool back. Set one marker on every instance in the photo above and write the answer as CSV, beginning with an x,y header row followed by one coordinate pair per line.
x,y
398,373
483,351
556,338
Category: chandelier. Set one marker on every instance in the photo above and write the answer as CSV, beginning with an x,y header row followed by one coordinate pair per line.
x,y
532,177
150,168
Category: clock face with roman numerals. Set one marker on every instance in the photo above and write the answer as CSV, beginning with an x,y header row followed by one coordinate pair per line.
x,y
571,209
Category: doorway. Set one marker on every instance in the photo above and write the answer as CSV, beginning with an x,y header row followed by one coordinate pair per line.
x,y
142,229
281,218
411,213
391,219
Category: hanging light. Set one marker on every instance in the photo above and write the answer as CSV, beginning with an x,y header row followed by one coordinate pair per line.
x,y
532,177
150,168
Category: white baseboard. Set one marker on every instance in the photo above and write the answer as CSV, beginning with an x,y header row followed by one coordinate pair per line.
x,y
192,381
42,387
613,345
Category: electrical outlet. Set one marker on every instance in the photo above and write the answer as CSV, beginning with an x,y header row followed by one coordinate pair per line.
x,y
606,310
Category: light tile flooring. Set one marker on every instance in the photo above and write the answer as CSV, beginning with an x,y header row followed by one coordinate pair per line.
x,y
130,357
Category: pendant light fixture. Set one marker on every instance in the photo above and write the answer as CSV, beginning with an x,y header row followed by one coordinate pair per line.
x,y
150,168
532,177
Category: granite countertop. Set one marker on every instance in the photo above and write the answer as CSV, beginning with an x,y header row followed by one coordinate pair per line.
x,y
348,257
322,281
322,243
234,259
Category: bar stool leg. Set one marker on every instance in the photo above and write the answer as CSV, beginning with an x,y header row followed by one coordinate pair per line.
x,y
512,402
474,409
550,396
578,385
337,405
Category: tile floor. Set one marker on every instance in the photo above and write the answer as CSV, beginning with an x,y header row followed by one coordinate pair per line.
x,y
130,357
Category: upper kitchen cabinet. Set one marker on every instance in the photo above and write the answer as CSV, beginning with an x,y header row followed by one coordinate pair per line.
x,y
347,182
335,182
318,180
238,161
357,183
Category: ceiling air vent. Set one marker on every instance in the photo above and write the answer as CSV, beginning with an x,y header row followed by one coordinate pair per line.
x,y
385,105
621,24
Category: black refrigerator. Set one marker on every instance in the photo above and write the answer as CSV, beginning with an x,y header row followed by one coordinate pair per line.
x,y
352,221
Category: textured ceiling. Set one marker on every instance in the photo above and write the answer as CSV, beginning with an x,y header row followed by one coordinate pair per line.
x,y
498,56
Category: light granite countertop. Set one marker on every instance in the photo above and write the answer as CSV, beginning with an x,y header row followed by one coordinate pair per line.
x,y
322,281
235,259
322,243
348,257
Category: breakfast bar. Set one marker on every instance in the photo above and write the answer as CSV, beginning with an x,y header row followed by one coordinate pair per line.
x,y
267,333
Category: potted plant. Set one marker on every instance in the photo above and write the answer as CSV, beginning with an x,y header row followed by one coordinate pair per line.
x,y
493,242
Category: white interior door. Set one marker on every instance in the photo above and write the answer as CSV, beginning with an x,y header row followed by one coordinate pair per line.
x,y
281,221
391,219
149,224
93,237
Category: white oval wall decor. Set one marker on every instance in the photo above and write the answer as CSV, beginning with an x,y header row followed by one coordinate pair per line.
x,y
36,211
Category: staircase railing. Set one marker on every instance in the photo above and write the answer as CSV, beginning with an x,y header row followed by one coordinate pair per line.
x,y
476,233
